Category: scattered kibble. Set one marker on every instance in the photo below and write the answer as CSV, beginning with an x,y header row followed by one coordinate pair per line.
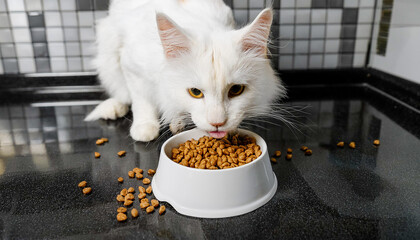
x,y
82,184
142,195
104,139
137,170
139,175
162,210
273,160
151,172
99,141
121,217
289,156
122,210
144,200
128,202
304,148
134,213
124,192
352,145
289,150
154,202
144,205
129,196
150,209
308,152
121,153
120,198
87,190
277,153
97,155
130,190
120,179
340,144
149,189
130,174
146,181
142,189
376,142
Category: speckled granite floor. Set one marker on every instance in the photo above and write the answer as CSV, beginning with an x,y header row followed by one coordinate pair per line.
x,y
368,192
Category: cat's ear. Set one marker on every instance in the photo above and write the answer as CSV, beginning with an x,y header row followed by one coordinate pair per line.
x,y
174,41
256,35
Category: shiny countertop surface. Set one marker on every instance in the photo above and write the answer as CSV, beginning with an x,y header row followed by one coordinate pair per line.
x,y
46,149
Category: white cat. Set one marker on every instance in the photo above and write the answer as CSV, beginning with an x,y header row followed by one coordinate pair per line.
x,y
183,59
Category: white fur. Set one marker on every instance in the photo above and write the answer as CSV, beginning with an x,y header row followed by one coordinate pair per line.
x,y
210,55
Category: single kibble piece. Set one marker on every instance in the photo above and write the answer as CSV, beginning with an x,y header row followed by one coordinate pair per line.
x,y
122,209
273,160
128,202
120,179
144,205
82,184
104,139
308,152
137,170
289,156
97,155
131,174
304,148
151,172
121,217
150,209
99,142
130,190
120,198
124,192
289,150
144,200
146,181
129,196
139,175
162,209
142,195
340,144
87,190
134,213
352,145
376,142
121,153
154,202
142,189
149,189
277,153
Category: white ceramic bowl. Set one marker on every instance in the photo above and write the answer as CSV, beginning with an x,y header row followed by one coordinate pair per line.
x,y
213,193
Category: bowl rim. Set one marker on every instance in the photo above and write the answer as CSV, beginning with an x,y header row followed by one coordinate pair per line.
x,y
264,147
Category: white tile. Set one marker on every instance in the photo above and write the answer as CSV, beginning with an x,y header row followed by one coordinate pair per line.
x,y
88,48
50,5
287,16
301,62
241,17
367,3
1,67
55,34
33,5
69,19
69,5
319,16
24,50
363,31
333,31
287,3
317,46
365,15
18,19
286,47
287,31
318,31
303,15
58,64
5,35
74,64
52,19
85,18
56,49
21,35
240,4
26,65
100,14
315,61
303,3
334,15
301,46
256,4
351,3
87,64
359,59
73,49
330,60
302,31
285,62
332,45
87,34
16,5
361,45
4,20
71,34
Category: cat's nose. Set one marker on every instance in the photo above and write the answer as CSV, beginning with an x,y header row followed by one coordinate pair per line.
x,y
218,124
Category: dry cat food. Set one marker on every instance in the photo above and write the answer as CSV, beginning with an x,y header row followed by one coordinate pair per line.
x,y
146,181
340,144
134,213
376,142
87,190
144,205
122,210
97,155
82,184
124,192
308,152
149,189
151,172
352,145
150,209
211,153
120,179
130,174
289,156
273,160
130,190
121,217
139,175
162,209
142,189
121,153
277,153
142,195
154,203
289,150
304,148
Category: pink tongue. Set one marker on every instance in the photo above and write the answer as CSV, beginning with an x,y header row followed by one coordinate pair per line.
x,y
218,134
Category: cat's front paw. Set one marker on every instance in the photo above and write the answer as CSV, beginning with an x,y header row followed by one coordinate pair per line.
x,y
144,132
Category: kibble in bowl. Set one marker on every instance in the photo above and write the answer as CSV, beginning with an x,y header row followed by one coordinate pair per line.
x,y
214,193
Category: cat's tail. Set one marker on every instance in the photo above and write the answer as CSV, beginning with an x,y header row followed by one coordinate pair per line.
x,y
109,109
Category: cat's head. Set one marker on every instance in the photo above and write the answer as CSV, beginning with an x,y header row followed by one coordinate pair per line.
x,y
219,78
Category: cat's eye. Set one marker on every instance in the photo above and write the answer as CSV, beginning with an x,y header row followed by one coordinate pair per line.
x,y
195,93
236,90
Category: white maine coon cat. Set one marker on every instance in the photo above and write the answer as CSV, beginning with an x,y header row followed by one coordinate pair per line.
x,y
179,60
